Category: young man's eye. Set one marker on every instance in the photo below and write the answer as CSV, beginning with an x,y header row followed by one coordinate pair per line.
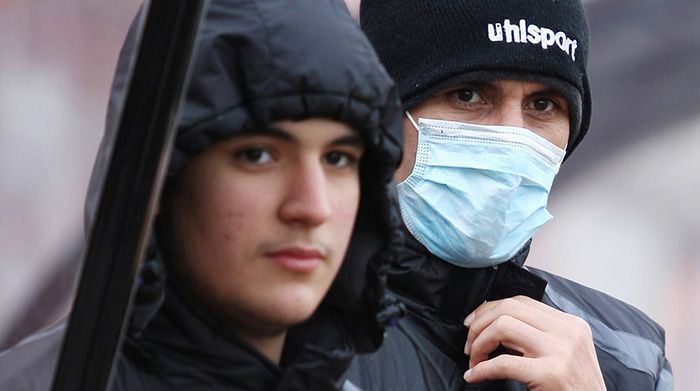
x,y
254,155
339,159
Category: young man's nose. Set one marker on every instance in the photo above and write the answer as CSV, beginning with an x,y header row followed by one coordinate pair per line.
x,y
306,201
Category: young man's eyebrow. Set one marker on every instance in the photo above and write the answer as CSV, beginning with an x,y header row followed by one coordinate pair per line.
x,y
269,131
353,139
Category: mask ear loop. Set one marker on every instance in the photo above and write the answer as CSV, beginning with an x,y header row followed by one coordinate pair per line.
x,y
413,122
415,125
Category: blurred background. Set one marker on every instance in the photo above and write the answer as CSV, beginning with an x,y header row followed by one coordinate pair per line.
x,y
626,220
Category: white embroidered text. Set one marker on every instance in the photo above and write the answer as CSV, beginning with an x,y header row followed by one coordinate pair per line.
x,y
530,33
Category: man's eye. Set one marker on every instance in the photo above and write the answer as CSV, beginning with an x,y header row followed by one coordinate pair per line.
x,y
254,155
339,159
542,104
467,96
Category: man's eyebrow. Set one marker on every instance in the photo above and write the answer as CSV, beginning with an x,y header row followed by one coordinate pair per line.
x,y
547,90
467,84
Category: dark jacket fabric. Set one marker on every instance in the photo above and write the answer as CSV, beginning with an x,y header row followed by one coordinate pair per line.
x,y
425,350
258,61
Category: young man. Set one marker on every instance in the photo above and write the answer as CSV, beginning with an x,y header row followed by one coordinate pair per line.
x,y
283,163
496,95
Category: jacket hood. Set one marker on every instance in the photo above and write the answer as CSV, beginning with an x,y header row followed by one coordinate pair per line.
x,y
263,61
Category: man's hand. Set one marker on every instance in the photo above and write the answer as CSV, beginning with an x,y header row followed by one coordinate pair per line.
x,y
548,349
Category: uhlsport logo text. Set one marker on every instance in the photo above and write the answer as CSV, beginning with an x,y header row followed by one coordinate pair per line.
x,y
525,33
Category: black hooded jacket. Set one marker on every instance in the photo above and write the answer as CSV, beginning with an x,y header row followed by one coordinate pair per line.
x,y
259,61
425,351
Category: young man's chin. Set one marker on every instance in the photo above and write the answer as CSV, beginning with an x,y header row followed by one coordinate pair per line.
x,y
295,306
278,310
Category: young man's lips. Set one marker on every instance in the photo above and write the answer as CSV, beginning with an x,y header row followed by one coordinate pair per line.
x,y
297,259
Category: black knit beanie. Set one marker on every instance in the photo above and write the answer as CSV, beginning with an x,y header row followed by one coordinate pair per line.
x,y
431,45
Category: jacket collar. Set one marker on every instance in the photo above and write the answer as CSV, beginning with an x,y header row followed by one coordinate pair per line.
x,y
440,295
182,343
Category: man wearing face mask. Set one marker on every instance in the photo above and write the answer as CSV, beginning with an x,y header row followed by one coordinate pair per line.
x,y
496,97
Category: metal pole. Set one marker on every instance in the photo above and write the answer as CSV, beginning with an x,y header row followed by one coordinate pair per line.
x,y
130,194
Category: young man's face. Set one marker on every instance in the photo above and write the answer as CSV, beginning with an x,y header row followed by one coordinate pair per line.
x,y
260,223
523,104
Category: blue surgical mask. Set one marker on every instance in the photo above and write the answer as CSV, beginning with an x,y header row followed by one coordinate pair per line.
x,y
477,193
